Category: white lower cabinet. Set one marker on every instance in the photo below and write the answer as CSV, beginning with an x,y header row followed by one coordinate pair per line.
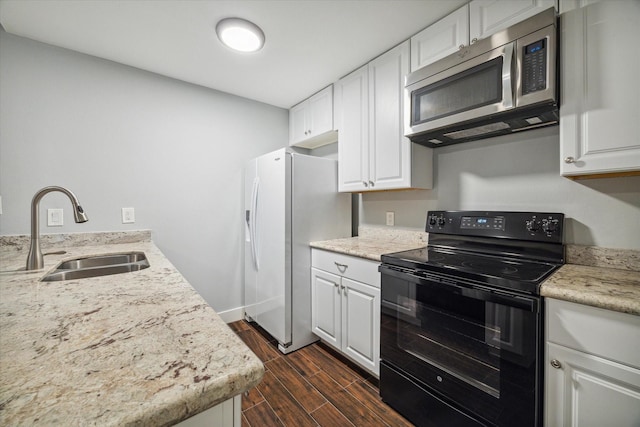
x,y
592,373
225,414
345,306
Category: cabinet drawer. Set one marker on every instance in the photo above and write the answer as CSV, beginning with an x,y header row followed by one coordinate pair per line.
x,y
605,333
354,268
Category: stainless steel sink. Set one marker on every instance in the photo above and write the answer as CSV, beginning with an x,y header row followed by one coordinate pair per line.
x,y
98,265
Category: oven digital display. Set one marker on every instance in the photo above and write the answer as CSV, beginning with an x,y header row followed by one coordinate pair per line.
x,y
483,222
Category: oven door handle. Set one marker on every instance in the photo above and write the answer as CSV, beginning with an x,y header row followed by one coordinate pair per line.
x,y
459,287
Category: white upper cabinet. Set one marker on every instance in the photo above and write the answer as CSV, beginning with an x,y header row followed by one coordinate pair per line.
x,y
600,97
373,153
490,16
311,121
440,39
472,22
352,121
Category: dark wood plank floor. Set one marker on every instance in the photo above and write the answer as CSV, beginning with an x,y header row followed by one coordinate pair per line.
x,y
313,386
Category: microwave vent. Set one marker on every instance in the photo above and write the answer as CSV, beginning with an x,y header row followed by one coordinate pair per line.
x,y
478,130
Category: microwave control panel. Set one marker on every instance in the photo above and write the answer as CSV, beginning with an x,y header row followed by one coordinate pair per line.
x,y
534,67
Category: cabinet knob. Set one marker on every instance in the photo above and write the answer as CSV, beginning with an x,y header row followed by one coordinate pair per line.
x,y
371,183
365,183
461,47
569,160
475,39
556,364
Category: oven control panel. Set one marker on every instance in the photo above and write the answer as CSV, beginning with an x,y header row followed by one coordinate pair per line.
x,y
534,226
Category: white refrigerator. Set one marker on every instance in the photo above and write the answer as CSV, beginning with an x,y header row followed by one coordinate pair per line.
x,y
291,199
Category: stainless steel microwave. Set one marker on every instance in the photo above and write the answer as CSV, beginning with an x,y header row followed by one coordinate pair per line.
x,y
499,85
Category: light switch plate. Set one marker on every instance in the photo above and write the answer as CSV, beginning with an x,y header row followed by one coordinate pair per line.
x,y
128,215
55,217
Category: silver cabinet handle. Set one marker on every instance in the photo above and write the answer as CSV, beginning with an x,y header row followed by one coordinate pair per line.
x,y
461,47
569,160
341,267
556,364
371,183
475,39
366,184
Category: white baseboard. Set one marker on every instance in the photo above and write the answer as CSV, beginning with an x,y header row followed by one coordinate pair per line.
x,y
232,315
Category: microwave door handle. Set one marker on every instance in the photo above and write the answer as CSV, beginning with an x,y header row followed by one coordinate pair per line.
x,y
507,76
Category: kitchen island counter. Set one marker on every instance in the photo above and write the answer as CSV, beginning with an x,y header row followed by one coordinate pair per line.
x,y
140,348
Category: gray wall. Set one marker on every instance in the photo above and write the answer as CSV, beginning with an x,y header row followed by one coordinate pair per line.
x,y
121,137
518,172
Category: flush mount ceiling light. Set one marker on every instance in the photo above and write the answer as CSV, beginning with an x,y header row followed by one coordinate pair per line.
x,y
240,34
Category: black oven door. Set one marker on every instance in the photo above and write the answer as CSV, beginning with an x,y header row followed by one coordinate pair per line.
x,y
470,349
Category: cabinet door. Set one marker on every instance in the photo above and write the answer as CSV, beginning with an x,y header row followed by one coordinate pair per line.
x,y
361,323
225,414
297,123
587,390
599,124
390,151
440,39
325,307
352,106
490,16
321,112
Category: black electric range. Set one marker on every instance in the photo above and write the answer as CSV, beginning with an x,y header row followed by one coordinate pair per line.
x,y
462,319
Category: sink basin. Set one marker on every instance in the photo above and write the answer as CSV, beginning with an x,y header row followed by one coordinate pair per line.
x,y
98,265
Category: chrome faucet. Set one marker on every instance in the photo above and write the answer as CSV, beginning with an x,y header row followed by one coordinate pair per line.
x,y
35,260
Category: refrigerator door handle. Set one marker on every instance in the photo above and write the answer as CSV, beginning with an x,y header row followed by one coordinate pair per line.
x,y
253,224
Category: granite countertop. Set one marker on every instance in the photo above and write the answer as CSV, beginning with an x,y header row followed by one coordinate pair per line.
x,y
373,242
139,348
367,248
609,288
610,279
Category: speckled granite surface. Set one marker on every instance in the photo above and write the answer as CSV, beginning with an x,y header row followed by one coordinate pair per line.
x,y
373,242
605,278
139,348
608,288
593,256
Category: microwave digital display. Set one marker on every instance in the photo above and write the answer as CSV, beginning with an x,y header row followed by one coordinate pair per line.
x,y
534,47
534,67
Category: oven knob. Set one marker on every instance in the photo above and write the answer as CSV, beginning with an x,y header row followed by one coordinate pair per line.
x,y
441,221
549,226
432,220
533,225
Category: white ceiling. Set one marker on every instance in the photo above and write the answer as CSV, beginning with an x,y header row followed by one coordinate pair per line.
x,y
309,43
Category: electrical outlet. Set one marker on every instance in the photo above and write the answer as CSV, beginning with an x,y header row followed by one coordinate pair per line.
x,y
55,217
391,218
128,216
